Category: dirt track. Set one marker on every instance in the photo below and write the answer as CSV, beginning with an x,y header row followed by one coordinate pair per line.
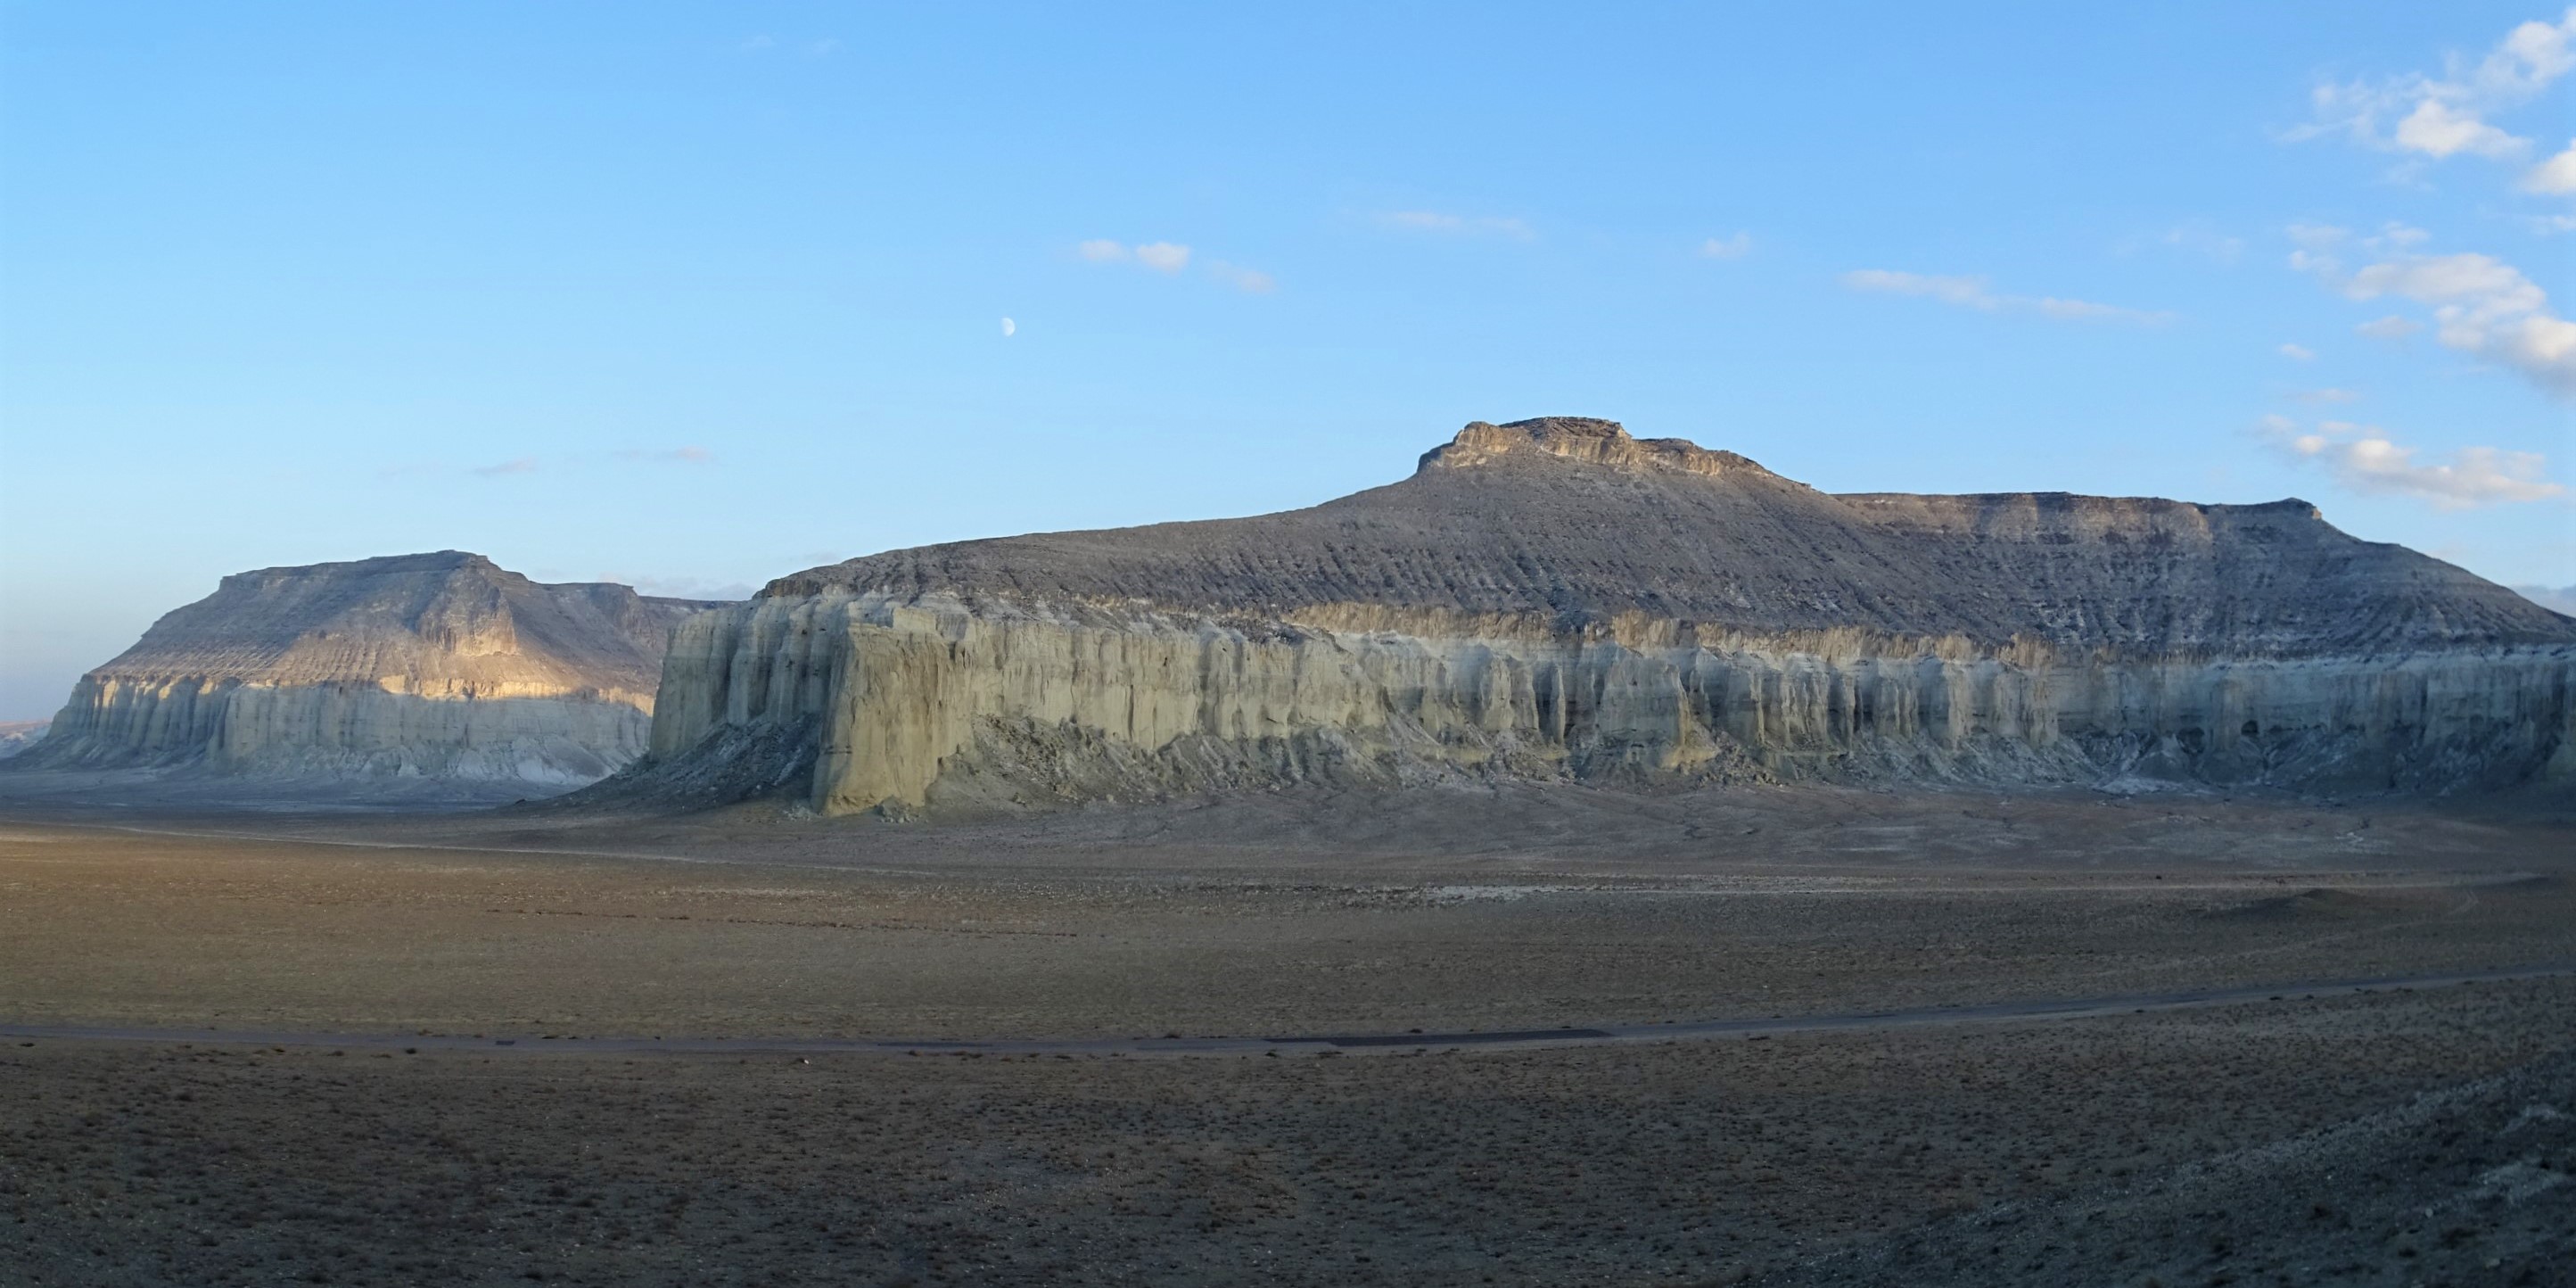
x,y
1414,1042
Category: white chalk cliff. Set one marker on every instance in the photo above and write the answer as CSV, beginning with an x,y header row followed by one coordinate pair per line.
x,y
1553,599
438,665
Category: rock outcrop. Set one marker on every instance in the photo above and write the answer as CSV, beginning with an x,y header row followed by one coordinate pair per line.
x,y
441,665
1554,599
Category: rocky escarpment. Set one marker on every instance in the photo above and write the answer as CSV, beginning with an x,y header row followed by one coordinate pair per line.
x,y
1555,599
432,665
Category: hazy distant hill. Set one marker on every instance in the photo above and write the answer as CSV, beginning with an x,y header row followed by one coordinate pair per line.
x,y
18,735
2562,599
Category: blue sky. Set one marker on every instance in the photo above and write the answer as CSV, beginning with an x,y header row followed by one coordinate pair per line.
x,y
696,296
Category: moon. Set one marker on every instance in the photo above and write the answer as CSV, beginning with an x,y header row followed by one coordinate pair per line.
x,y
1009,327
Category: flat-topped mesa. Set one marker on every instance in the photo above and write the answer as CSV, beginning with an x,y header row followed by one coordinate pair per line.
x,y
1581,438
1569,522
1553,599
440,664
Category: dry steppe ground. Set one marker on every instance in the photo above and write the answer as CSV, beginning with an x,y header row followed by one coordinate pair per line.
x,y
2402,1136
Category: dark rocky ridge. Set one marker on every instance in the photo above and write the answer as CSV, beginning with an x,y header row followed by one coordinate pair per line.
x,y
1573,519
436,664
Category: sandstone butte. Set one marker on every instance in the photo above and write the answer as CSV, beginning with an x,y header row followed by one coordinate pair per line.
x,y
1554,600
435,665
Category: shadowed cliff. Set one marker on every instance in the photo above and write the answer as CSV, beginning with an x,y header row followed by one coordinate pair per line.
x,y
1555,599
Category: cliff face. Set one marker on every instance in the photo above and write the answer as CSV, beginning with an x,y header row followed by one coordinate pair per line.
x,y
439,664
1553,599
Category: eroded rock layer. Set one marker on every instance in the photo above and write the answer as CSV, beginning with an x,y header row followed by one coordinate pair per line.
x,y
1554,599
436,664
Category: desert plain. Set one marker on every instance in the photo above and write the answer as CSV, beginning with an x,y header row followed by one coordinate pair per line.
x,y
365,1046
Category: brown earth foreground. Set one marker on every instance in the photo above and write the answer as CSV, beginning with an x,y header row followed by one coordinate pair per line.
x,y
2398,1137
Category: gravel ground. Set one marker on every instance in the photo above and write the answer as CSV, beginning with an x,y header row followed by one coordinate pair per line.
x,y
2466,1185
2400,1137
1687,1163
925,939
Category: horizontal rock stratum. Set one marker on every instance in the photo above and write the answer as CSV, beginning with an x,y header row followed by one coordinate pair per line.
x,y
439,665
1553,599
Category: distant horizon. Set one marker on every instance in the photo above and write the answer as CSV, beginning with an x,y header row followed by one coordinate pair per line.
x,y
688,300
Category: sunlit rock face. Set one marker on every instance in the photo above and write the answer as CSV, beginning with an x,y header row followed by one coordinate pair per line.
x,y
440,665
1552,599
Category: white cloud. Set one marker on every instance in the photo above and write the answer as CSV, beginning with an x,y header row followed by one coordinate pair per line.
x,y
2391,327
2316,245
1240,278
2482,306
2088,311
1433,221
674,456
2320,247
2532,56
1172,257
514,465
1974,293
2327,396
2445,116
2200,238
1423,221
2556,175
2365,459
2298,352
1735,247
2439,279
1163,257
1009,328
1968,291
2437,130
